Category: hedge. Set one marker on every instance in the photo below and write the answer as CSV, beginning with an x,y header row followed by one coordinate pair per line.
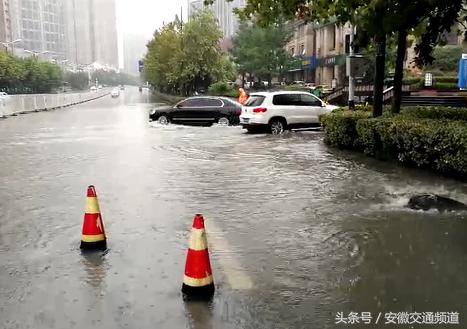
x,y
431,112
341,127
223,89
436,144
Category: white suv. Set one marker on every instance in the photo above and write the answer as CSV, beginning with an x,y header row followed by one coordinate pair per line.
x,y
282,110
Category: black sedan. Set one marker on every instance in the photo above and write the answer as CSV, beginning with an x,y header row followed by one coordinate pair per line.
x,y
199,110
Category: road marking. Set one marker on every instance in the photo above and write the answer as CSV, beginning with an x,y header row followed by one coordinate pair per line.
x,y
236,276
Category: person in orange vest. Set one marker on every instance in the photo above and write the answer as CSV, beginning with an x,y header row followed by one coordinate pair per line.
x,y
243,96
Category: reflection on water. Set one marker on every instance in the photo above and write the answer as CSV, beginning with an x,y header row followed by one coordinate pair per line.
x,y
199,314
95,266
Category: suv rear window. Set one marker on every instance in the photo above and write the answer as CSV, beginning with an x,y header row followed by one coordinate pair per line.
x,y
286,99
255,100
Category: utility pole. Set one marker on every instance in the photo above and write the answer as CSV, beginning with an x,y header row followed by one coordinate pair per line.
x,y
351,77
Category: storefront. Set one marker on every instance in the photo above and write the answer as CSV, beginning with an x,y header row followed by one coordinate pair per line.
x,y
301,69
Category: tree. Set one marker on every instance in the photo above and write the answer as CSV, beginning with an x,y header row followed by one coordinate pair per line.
x,y
77,81
184,58
378,19
260,51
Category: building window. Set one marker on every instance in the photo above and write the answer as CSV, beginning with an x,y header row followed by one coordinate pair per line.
x,y
292,51
302,49
332,37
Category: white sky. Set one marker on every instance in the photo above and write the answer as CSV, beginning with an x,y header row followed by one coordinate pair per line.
x,y
143,17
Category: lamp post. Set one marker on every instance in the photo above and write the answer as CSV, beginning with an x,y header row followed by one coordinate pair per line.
x,y
36,54
10,43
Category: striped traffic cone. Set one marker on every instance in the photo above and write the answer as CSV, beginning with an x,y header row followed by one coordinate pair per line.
x,y
93,236
198,282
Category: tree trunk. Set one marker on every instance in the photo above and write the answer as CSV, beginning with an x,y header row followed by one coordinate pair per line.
x,y
243,79
399,73
379,76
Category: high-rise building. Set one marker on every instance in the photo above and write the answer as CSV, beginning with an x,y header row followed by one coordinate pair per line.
x,y
5,21
134,48
104,32
194,6
224,12
40,24
78,32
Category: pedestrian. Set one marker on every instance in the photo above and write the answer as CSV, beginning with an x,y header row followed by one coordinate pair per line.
x,y
243,96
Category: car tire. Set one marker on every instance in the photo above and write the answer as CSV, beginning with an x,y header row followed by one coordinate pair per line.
x,y
163,120
223,121
277,126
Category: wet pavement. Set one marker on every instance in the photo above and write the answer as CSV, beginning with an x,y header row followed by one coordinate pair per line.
x,y
297,231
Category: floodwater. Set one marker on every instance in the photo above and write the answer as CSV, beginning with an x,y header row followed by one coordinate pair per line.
x,y
297,231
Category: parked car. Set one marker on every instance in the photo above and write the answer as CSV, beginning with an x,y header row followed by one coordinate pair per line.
x,y
122,87
115,93
93,88
99,87
282,110
199,110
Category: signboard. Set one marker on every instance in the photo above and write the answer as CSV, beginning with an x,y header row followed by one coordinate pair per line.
x,y
309,62
462,74
428,79
356,66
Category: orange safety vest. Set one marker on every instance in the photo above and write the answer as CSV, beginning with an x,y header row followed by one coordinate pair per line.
x,y
243,96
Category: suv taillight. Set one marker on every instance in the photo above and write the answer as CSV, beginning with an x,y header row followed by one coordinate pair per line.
x,y
260,110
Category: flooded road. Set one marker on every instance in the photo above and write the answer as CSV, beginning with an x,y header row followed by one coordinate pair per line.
x,y
297,231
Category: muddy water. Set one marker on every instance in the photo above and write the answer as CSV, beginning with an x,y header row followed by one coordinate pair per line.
x,y
297,231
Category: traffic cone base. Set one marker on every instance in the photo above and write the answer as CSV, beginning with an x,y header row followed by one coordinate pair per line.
x,y
204,292
197,281
96,245
93,236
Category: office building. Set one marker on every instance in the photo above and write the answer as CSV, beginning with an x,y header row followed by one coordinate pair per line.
x,y
78,32
5,21
104,44
134,49
224,13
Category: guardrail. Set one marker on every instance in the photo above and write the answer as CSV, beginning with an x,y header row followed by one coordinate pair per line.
x,y
19,104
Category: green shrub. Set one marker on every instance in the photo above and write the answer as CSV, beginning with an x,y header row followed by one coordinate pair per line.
x,y
223,88
451,80
439,145
431,112
412,80
429,138
296,88
340,128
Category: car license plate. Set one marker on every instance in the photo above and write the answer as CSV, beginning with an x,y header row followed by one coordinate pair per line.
x,y
244,120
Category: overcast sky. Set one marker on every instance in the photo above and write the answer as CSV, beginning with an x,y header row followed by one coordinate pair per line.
x,y
145,16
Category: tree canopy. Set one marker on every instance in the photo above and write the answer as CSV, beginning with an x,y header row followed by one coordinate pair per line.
x,y
375,20
260,50
28,75
183,58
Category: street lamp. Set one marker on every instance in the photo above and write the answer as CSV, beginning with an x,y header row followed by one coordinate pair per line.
x,y
10,43
36,53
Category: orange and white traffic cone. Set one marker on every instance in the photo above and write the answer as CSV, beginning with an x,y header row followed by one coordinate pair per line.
x,y
198,282
93,236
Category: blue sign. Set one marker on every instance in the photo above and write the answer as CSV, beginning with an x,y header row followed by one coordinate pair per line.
x,y
309,62
463,72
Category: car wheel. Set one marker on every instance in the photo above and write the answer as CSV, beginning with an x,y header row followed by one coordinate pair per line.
x,y
277,126
163,120
223,121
